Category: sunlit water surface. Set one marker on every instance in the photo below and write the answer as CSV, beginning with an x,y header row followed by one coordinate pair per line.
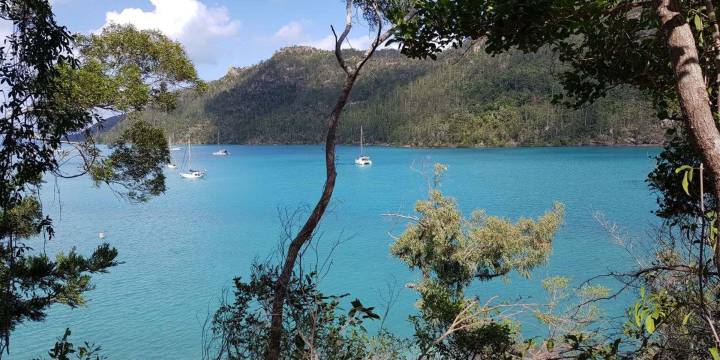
x,y
181,250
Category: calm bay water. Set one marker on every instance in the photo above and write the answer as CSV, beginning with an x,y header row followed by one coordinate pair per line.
x,y
182,249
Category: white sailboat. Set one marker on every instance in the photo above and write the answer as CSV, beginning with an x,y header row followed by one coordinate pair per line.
x,y
221,152
362,160
190,173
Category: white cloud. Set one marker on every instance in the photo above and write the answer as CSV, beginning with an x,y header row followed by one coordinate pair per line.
x,y
294,33
191,22
328,43
290,32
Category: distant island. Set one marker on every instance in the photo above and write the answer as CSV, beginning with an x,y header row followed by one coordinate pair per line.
x,y
465,98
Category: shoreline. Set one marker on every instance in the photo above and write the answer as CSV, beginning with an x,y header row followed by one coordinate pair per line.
x,y
435,146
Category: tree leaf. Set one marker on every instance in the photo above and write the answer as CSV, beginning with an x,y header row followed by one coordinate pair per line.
x,y
683,168
715,353
638,320
650,324
698,22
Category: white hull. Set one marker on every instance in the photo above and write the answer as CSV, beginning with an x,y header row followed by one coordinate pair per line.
x,y
192,175
175,148
363,161
221,153
172,166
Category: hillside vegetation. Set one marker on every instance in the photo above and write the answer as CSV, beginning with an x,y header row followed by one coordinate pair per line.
x,y
465,98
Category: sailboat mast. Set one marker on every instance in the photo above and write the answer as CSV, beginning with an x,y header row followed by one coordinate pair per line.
x,y
189,155
361,140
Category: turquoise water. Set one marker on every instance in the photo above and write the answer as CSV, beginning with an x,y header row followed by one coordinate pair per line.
x,y
182,249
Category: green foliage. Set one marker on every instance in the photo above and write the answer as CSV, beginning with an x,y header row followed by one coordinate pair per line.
x,y
466,98
650,318
25,219
679,283
561,314
451,251
456,250
64,349
648,311
126,69
136,162
603,43
715,353
571,318
687,172
29,69
316,325
49,96
677,195
670,318
35,282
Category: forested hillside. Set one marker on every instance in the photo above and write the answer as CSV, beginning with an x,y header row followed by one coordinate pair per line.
x,y
465,98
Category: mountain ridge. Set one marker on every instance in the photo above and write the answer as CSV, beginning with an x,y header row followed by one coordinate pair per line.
x,y
465,98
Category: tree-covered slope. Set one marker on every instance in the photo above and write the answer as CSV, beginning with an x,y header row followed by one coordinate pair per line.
x,y
465,98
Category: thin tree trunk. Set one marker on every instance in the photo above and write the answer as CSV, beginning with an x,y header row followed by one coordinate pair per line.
x,y
275,336
351,71
694,99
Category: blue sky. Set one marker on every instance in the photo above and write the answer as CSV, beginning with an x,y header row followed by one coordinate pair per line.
x,y
218,34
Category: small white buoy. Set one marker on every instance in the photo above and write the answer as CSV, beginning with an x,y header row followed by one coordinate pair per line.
x,y
101,235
